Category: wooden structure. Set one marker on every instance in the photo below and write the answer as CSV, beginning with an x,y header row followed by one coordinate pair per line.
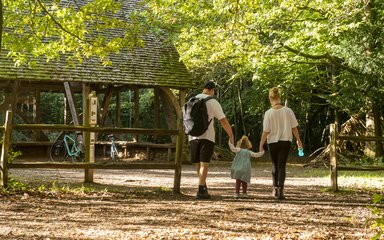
x,y
334,166
156,65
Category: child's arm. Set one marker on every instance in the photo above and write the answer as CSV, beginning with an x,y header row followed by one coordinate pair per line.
x,y
257,154
233,148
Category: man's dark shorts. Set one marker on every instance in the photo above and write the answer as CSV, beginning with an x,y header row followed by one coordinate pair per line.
x,y
201,150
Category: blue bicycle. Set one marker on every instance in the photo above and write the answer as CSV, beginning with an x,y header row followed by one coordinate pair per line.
x,y
114,153
69,147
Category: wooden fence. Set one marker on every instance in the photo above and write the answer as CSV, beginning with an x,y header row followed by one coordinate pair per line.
x,y
334,167
87,165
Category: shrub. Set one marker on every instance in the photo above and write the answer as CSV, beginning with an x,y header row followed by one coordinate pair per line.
x,y
378,220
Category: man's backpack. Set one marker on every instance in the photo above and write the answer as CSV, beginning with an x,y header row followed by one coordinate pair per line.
x,y
195,116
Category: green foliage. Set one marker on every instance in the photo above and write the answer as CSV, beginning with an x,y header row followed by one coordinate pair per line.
x,y
51,28
367,161
67,188
14,185
13,154
378,220
323,54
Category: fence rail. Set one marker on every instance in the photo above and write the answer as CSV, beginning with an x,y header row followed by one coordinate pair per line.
x,y
334,167
9,127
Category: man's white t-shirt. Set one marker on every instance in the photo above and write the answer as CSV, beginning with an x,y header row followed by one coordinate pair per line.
x,y
214,110
279,123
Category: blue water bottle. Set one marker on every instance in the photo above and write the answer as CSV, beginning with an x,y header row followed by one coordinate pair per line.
x,y
301,152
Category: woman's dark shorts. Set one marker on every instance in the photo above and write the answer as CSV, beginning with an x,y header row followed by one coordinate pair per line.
x,y
201,150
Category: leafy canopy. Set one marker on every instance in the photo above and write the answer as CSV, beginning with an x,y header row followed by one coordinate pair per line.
x,y
77,29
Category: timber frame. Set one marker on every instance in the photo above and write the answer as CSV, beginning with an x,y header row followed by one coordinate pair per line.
x,y
89,164
155,64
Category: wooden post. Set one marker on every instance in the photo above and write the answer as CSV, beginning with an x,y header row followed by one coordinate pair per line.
x,y
156,108
71,103
88,173
136,123
106,103
118,109
179,144
332,157
4,150
37,114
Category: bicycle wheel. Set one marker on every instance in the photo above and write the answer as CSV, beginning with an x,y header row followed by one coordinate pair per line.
x,y
58,152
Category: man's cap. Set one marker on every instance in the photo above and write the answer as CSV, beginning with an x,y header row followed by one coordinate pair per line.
x,y
209,85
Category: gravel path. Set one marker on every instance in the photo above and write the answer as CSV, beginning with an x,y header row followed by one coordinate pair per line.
x,y
139,204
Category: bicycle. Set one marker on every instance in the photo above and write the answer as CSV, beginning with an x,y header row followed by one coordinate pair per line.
x,y
114,154
72,147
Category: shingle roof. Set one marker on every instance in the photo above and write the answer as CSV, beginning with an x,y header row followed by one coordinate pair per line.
x,y
154,64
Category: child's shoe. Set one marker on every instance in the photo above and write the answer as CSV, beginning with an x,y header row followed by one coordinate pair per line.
x,y
245,195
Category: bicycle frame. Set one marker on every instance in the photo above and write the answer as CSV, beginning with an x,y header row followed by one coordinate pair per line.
x,y
114,153
72,147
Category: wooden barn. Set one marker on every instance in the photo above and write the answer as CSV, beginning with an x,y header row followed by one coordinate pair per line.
x,y
155,67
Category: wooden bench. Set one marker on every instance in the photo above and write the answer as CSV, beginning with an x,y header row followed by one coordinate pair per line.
x,y
125,145
147,146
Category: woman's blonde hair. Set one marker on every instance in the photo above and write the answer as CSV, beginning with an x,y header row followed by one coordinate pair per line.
x,y
275,93
244,143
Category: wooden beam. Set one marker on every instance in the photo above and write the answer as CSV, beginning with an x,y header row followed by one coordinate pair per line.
x,y
37,113
83,165
360,138
64,127
136,123
106,103
156,108
360,168
118,109
71,103
14,96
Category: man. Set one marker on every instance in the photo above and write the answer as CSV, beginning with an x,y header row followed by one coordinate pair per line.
x,y
202,147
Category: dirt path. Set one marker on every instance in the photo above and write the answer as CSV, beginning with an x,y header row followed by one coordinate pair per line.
x,y
136,204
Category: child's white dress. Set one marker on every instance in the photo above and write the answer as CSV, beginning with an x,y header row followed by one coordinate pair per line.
x,y
241,165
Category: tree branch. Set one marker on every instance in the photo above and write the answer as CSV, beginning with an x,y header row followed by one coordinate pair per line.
x,y
337,61
58,24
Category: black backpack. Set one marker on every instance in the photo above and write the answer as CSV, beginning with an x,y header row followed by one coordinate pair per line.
x,y
195,116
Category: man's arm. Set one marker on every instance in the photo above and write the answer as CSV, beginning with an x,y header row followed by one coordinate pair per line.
x,y
227,127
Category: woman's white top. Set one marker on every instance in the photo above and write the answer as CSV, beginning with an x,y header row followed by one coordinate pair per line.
x,y
278,123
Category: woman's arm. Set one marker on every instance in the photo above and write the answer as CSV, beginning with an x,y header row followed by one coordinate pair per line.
x,y
295,132
262,141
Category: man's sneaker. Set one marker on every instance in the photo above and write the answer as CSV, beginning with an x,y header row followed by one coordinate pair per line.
x,y
203,195
236,195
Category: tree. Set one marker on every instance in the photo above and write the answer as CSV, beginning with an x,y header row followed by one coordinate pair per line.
x,y
80,29
330,50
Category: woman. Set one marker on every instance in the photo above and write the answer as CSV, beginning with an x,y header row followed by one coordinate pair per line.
x,y
278,125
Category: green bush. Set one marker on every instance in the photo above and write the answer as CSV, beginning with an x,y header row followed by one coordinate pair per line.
x,y
378,220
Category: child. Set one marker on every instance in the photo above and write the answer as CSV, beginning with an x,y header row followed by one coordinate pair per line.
x,y
241,165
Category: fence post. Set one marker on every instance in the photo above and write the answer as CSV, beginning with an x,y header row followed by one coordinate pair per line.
x,y
332,156
179,145
4,150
